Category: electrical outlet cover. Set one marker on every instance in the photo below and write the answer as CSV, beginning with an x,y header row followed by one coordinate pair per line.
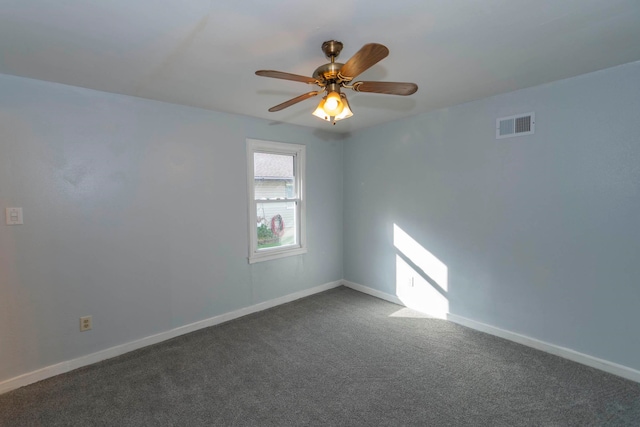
x,y
85,323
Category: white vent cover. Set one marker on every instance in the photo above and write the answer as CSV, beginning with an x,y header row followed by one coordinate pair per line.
x,y
518,125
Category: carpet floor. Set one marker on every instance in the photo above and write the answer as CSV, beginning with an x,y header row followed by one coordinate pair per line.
x,y
339,358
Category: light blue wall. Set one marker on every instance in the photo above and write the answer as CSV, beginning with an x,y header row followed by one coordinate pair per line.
x,y
540,234
136,213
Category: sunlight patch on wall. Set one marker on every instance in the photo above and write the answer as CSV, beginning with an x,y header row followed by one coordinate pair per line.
x,y
422,258
421,278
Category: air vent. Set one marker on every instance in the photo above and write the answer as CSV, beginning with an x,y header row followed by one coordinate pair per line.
x,y
519,125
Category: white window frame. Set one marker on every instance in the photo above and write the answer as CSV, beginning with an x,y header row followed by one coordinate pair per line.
x,y
299,153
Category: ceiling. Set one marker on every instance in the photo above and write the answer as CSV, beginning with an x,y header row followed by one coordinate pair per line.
x,y
204,53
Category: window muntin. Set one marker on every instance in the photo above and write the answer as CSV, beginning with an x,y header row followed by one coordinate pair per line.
x,y
276,199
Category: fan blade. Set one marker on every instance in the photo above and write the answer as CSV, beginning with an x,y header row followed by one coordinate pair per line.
x,y
295,100
391,88
369,55
285,76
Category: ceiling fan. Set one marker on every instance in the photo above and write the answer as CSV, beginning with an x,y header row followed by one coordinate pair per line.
x,y
334,76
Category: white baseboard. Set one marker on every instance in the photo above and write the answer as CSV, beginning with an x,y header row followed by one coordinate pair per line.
x,y
69,365
566,353
373,292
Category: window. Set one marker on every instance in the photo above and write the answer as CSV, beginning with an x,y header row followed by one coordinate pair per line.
x,y
275,173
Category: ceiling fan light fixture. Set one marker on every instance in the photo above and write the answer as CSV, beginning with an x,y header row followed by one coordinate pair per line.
x,y
333,104
321,113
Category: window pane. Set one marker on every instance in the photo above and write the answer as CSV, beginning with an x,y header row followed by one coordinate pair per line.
x,y
276,196
276,224
273,176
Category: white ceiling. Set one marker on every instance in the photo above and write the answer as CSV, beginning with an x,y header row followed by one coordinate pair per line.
x,y
204,53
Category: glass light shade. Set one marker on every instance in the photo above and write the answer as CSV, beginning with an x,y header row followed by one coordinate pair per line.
x,y
333,104
346,112
319,112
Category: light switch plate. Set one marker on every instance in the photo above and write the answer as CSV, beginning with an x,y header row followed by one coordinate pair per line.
x,y
14,216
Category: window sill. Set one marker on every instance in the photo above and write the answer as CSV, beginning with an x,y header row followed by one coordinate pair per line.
x,y
267,256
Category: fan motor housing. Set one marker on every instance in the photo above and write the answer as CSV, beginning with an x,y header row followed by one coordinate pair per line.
x,y
327,71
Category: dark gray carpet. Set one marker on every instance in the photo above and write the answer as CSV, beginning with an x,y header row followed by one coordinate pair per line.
x,y
337,358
